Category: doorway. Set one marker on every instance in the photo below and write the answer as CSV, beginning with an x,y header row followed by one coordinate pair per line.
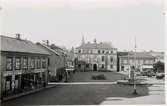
x,y
95,67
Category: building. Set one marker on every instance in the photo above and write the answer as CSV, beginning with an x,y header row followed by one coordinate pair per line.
x,y
159,56
56,61
95,57
23,65
70,60
143,61
120,53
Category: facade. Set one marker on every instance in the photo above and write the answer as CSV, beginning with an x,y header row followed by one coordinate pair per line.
x,y
23,65
56,61
95,57
159,56
70,60
120,53
143,61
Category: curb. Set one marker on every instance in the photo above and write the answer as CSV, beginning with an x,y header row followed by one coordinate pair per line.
x,y
26,93
125,82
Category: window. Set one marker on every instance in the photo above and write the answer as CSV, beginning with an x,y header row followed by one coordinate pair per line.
x,y
79,51
98,51
103,51
25,63
43,63
38,63
91,51
102,66
32,63
111,51
102,58
111,59
111,66
9,63
18,63
107,52
122,68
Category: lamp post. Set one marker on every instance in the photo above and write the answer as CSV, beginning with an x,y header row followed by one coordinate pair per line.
x,y
134,86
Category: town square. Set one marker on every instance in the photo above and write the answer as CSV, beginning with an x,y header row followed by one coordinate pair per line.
x,y
82,52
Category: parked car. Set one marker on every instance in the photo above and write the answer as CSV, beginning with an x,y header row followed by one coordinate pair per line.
x,y
160,75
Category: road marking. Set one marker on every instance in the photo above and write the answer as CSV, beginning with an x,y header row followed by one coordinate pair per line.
x,y
75,83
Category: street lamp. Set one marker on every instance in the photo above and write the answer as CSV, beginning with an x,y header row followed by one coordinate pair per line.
x,y
134,76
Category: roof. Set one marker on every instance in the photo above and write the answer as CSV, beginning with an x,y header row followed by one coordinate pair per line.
x,y
48,48
58,49
95,46
157,54
9,44
139,55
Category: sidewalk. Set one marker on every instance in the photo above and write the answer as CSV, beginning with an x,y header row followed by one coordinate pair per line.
x,y
156,97
26,93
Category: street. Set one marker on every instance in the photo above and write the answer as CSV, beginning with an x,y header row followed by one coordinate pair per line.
x,y
92,94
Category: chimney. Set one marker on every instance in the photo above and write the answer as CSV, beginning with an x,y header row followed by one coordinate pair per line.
x,y
47,42
18,36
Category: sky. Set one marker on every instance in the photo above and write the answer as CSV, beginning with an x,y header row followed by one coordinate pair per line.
x,y
65,22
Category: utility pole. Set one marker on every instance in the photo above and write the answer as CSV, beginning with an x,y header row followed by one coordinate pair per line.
x,y
134,87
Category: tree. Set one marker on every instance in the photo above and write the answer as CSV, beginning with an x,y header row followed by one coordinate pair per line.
x,y
158,67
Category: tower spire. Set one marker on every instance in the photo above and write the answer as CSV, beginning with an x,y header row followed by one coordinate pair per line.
x,y
83,40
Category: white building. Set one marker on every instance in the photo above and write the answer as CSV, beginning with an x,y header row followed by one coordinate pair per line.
x,y
96,57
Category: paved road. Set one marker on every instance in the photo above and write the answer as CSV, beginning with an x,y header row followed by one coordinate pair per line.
x,y
87,94
77,95
87,76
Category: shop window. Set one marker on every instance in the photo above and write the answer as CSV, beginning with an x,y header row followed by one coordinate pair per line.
x,y
18,63
25,63
32,64
8,83
43,63
9,63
